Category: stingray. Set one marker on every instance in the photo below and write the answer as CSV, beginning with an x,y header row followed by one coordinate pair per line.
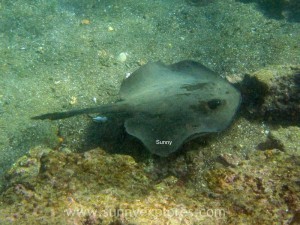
x,y
166,105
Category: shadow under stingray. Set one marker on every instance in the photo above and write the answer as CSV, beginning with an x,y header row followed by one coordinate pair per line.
x,y
112,136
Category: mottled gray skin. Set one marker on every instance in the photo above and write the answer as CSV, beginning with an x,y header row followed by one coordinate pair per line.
x,y
172,104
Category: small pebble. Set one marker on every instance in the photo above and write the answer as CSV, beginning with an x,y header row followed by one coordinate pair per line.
x,y
73,100
127,75
122,57
85,22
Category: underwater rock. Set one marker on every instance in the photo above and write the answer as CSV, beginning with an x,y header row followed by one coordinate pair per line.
x,y
288,138
27,167
279,9
93,188
229,160
97,188
268,180
273,94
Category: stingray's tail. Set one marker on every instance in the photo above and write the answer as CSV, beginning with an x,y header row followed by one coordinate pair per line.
x,y
62,115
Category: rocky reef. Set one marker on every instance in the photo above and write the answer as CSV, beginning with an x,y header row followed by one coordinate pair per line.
x,y
273,94
279,9
52,187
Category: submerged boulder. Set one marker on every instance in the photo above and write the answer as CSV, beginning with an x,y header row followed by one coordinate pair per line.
x,y
273,94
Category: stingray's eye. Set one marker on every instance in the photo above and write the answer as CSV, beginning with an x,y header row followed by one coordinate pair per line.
x,y
214,103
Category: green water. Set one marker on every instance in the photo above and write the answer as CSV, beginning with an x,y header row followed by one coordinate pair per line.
x,y
58,55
